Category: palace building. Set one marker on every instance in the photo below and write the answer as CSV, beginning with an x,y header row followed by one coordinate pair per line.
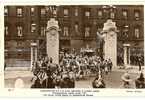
x,y
78,27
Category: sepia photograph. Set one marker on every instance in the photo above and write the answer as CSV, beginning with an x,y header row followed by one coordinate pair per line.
x,y
74,46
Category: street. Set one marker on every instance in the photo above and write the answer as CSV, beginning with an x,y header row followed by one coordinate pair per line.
x,y
112,80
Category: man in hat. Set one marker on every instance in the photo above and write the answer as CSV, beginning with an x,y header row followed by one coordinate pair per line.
x,y
48,82
126,80
63,83
36,82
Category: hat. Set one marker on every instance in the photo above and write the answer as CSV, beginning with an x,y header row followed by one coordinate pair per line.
x,y
126,77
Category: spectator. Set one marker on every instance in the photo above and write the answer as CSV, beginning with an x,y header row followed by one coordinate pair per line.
x,y
126,80
140,82
139,63
98,83
48,82
110,65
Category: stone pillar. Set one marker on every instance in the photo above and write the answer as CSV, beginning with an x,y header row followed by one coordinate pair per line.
x,y
32,59
110,46
52,40
126,55
33,53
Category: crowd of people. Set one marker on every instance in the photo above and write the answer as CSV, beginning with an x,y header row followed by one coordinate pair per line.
x,y
135,60
72,67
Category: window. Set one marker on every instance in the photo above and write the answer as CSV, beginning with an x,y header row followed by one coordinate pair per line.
x,y
87,13
33,27
65,31
20,31
124,13
136,15
6,30
125,31
6,11
100,14
136,31
65,12
43,11
42,31
19,12
87,31
112,15
76,12
32,11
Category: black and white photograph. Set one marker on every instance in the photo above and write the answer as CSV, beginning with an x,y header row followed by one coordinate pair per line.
x,y
74,46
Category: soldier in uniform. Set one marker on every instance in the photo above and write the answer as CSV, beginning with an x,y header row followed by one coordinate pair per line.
x,y
48,82
110,65
36,82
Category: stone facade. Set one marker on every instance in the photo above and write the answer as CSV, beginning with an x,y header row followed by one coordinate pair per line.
x,y
39,19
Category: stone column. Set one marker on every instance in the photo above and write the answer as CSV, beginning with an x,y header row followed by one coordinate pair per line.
x,y
52,40
32,58
125,55
33,53
110,46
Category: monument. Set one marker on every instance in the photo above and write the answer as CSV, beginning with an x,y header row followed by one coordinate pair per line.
x,y
110,38
52,40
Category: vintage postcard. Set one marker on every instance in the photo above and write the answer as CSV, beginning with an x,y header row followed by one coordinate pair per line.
x,y
72,48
